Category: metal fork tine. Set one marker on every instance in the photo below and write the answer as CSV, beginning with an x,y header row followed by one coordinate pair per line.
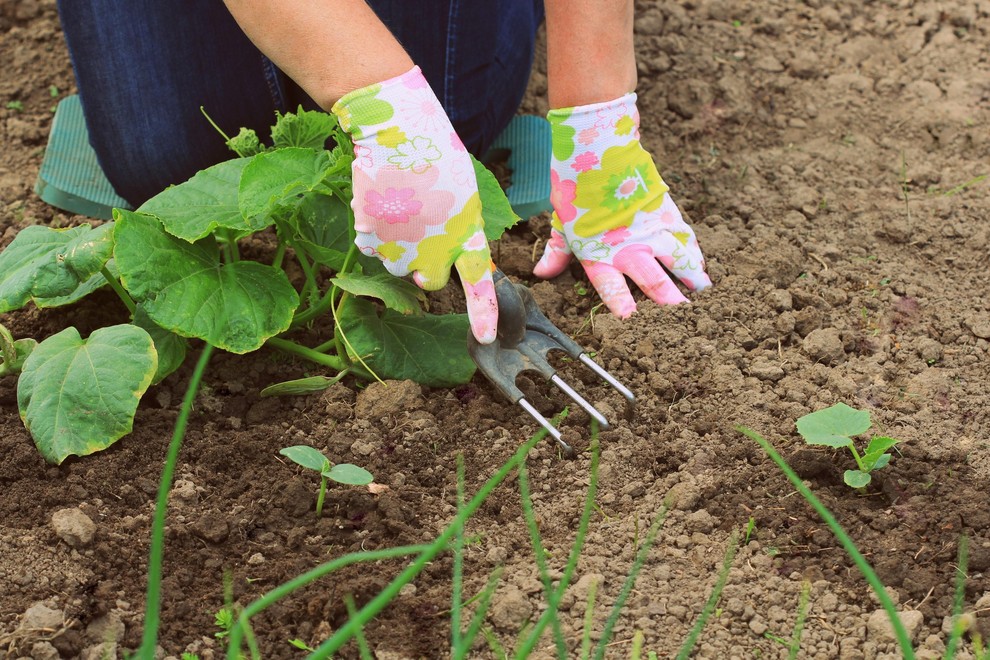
x,y
608,378
580,400
545,423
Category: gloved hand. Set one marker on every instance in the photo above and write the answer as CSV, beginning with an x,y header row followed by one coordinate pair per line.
x,y
416,203
612,210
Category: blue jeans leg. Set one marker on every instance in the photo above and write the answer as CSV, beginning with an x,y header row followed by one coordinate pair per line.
x,y
145,67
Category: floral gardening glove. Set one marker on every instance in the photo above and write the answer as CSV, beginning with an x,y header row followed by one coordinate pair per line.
x,y
612,210
416,203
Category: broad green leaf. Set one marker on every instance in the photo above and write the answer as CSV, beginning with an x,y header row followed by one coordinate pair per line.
x,y
205,203
97,281
299,386
398,294
321,224
876,461
53,266
879,444
429,349
273,180
856,478
306,456
78,396
304,128
186,289
171,348
495,208
345,473
833,426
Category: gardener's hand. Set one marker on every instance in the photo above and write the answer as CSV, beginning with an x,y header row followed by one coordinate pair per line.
x,y
416,203
612,210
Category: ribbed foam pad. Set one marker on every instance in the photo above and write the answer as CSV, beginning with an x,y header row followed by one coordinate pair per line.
x,y
70,178
527,141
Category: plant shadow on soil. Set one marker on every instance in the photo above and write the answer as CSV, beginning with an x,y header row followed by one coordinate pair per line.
x,y
812,146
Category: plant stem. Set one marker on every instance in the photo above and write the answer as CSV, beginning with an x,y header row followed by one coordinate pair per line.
x,y
152,608
214,125
329,298
332,361
307,268
337,331
279,255
119,290
230,246
859,459
320,496
326,346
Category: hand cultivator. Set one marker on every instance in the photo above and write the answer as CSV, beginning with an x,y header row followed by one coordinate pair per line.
x,y
525,337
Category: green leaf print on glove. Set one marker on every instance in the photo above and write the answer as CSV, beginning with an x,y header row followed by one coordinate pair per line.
x,y
612,210
416,204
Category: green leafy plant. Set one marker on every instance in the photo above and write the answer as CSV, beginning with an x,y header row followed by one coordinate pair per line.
x,y
13,352
836,426
342,473
176,264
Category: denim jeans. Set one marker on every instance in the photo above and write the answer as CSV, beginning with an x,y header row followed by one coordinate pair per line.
x,y
144,69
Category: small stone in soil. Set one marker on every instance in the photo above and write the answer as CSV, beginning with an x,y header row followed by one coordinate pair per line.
x,y
74,527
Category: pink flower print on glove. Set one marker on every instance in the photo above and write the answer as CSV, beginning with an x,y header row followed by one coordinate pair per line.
x,y
612,210
416,203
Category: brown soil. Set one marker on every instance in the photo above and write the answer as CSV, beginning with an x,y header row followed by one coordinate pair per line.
x,y
822,151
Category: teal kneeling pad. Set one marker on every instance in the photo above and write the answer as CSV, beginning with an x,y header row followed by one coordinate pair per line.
x,y
70,178
526,140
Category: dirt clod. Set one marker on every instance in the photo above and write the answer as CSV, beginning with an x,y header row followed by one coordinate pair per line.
x,y
74,527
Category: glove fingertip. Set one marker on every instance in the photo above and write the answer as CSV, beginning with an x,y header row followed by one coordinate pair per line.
x,y
551,264
482,308
431,281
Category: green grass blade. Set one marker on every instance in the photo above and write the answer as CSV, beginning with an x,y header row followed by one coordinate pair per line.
x,y
864,567
589,620
457,588
494,645
554,602
803,602
153,600
327,648
538,551
641,554
637,646
238,631
484,601
958,629
723,576
359,635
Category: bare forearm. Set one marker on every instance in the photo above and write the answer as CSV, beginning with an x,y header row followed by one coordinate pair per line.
x,y
329,47
590,52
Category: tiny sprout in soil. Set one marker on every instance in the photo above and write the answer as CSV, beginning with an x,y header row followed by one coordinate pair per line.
x,y
342,473
835,427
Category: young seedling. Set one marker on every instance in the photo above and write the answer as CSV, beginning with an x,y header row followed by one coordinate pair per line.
x,y
342,473
835,427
